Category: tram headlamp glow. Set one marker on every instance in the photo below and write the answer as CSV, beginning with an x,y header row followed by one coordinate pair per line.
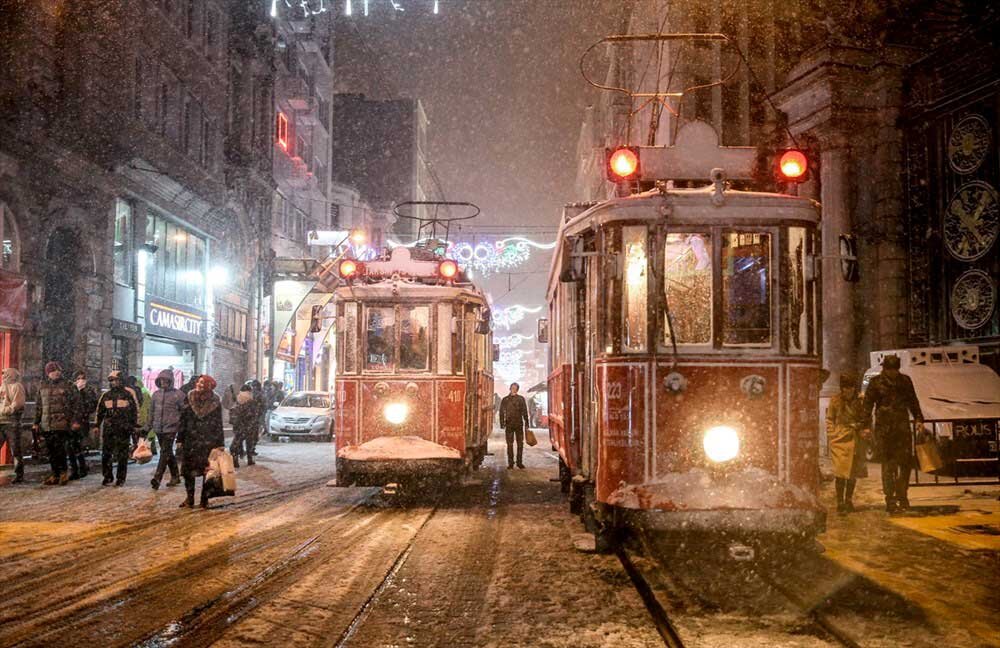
x,y
396,413
721,443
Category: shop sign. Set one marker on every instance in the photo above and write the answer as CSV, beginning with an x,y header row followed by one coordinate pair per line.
x,y
174,321
124,328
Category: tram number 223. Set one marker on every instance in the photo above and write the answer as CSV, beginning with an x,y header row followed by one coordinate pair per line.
x,y
614,390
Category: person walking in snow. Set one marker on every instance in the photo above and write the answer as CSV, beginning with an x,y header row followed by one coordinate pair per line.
x,y
200,433
513,420
166,407
12,399
894,400
57,413
243,416
845,423
117,415
74,443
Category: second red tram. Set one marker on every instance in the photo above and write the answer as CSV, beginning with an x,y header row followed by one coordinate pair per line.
x,y
414,383
684,361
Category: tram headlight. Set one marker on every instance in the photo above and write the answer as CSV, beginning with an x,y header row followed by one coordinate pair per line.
x,y
396,413
721,443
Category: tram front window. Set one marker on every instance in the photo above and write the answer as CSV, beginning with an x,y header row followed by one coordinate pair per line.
x,y
380,338
688,287
746,289
414,347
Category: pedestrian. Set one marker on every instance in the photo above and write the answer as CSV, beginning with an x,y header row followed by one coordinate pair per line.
x,y
229,397
845,423
279,395
244,419
74,442
12,399
117,415
200,433
142,401
496,407
513,420
165,411
894,400
56,416
190,384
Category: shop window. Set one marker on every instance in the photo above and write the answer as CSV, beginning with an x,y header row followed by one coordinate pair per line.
x,y
687,275
746,289
10,254
177,269
123,248
231,324
281,130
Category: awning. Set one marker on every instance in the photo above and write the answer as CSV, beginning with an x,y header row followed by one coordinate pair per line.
x,y
13,300
540,387
956,392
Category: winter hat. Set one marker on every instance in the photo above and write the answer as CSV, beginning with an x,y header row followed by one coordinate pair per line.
x,y
165,379
115,375
209,381
79,374
10,375
51,366
890,362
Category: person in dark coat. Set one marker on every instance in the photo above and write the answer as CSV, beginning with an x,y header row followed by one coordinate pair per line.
x,y
190,384
74,444
57,413
166,408
200,433
12,397
513,420
243,416
894,400
260,411
117,415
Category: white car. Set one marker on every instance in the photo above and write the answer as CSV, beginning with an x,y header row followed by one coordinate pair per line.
x,y
302,415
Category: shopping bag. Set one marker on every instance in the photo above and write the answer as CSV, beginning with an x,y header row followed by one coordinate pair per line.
x,y
220,478
929,456
529,437
142,453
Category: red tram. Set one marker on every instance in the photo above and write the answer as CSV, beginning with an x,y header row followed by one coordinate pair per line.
x,y
684,358
413,382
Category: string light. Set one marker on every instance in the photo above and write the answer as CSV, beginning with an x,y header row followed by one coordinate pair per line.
x,y
486,258
511,341
509,366
507,317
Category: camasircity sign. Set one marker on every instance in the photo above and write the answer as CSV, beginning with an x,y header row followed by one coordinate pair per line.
x,y
174,321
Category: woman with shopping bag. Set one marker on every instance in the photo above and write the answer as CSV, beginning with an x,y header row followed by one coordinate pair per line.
x,y
199,434
844,425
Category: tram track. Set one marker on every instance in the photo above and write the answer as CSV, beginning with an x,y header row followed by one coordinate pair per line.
x,y
175,527
671,626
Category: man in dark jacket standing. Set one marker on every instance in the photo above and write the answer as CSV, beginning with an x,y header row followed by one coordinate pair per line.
x,y
513,420
892,396
74,446
167,404
117,415
56,416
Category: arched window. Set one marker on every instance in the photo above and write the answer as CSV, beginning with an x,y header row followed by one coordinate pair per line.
x,y
10,253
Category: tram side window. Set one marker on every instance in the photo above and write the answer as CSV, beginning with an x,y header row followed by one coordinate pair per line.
x,y
444,335
635,289
746,289
348,338
414,346
796,317
612,291
380,341
459,353
687,271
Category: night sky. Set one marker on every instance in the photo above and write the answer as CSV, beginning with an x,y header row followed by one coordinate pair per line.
x,y
500,82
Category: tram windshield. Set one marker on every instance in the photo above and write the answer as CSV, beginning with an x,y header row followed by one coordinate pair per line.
x,y
688,287
746,289
397,336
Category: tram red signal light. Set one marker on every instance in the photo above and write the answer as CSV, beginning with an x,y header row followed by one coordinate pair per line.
x,y
348,268
623,163
793,166
448,269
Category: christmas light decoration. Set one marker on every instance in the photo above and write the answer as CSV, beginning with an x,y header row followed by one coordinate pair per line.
x,y
510,367
489,258
507,342
507,317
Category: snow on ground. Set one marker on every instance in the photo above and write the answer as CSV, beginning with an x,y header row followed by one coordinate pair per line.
x,y
699,489
398,448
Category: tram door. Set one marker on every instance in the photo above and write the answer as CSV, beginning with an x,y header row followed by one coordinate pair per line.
x,y
588,331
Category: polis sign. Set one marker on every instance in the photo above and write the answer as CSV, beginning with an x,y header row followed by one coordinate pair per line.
x,y
174,321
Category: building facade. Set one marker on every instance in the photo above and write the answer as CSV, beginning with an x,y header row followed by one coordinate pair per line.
x,y
131,198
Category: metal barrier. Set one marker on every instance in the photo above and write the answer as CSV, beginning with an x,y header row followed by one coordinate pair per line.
x,y
969,442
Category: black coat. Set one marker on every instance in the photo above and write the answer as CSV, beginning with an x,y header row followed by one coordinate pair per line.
x,y
200,433
514,412
58,405
117,412
894,401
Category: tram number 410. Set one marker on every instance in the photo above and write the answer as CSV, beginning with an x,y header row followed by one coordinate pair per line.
x,y
454,396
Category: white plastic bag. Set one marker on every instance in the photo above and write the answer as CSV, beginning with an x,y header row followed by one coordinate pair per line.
x,y
142,453
221,467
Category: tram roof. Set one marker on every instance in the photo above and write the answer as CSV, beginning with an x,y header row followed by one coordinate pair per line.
x,y
401,289
701,207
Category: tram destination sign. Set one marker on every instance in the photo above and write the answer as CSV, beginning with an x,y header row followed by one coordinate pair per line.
x,y
174,320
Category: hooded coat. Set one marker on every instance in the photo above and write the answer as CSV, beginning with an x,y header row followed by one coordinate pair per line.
x,y
200,432
12,396
58,405
166,405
